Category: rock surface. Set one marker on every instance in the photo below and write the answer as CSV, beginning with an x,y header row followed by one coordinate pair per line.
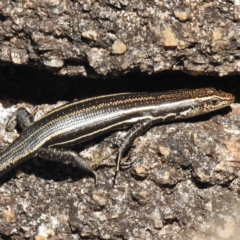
x,y
183,184
112,37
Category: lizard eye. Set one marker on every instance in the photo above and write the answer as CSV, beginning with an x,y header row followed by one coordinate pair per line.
x,y
214,102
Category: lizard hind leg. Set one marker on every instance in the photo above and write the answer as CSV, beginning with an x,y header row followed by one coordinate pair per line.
x,y
63,155
22,117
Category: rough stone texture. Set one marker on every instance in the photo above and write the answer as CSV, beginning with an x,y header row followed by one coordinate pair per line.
x,y
112,37
184,184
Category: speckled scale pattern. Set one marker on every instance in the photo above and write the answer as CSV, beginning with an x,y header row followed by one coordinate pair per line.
x,y
82,120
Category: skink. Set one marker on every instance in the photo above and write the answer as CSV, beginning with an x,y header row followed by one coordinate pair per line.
x,y
82,120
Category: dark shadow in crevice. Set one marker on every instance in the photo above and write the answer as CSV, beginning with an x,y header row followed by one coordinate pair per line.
x,y
40,86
